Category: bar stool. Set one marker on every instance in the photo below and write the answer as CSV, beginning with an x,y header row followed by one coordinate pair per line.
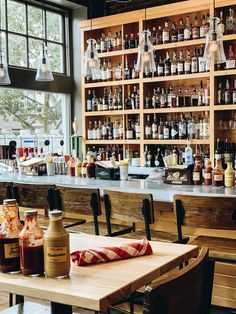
x,y
134,208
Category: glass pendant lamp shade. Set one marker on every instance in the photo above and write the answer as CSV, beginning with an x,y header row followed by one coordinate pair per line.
x,y
145,54
214,47
91,61
44,73
4,75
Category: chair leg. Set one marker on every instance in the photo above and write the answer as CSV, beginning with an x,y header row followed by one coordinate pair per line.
x,y
10,300
19,299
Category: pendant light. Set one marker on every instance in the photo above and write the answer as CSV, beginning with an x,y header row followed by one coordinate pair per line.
x,y
91,58
44,73
214,44
146,51
4,75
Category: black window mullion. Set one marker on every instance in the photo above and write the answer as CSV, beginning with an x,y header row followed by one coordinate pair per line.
x,y
27,34
6,19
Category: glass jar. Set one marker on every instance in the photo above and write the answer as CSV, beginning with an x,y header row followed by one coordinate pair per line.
x,y
9,242
91,168
218,174
31,246
56,247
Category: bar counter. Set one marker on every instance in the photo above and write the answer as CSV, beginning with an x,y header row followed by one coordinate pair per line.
x,y
161,192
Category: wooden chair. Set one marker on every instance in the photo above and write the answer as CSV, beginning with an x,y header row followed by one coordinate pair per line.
x,y
209,213
134,208
186,291
39,197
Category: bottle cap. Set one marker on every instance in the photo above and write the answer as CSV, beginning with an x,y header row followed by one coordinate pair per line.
x,y
55,213
32,212
9,202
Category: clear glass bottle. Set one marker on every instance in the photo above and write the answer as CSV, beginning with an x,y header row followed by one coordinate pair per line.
x,y
9,241
31,246
56,247
229,179
166,33
230,22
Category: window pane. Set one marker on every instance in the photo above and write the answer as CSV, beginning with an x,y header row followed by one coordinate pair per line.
x,y
35,23
16,16
35,50
54,27
55,53
2,10
17,50
3,43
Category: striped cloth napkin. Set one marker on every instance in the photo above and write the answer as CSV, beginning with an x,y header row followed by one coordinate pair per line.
x,y
106,254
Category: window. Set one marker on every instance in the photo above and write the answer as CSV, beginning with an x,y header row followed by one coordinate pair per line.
x,y
25,27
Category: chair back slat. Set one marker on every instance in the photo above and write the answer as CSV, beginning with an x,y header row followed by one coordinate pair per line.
x,y
129,206
187,291
81,201
3,192
206,212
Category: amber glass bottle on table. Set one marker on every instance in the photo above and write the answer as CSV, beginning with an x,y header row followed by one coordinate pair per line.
x,y
229,179
56,247
71,167
218,174
31,246
197,174
91,168
9,233
208,174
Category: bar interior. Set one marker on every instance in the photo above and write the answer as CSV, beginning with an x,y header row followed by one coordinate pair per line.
x,y
117,156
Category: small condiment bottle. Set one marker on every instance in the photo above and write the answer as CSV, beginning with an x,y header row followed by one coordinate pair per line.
x,y
31,246
229,176
208,174
84,168
9,233
78,167
91,168
56,247
218,174
197,174
71,167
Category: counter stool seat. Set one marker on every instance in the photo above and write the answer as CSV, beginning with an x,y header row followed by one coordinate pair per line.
x,y
219,248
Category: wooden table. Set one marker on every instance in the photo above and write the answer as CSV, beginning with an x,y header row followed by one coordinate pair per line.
x,y
95,287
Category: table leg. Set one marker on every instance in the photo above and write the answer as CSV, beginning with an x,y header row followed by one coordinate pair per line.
x,y
19,299
57,308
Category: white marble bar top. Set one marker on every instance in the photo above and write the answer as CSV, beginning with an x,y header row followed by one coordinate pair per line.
x,y
160,191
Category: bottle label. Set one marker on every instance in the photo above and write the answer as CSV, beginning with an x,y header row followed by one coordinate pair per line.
x,y
99,134
104,75
202,32
56,254
154,128
234,97
207,175
194,67
195,33
165,36
180,67
83,171
221,27
108,74
180,36
187,34
160,70
187,66
160,136
218,177
129,134
103,45
230,64
201,64
90,134
105,107
148,130
166,133
173,68
11,250
89,105
196,176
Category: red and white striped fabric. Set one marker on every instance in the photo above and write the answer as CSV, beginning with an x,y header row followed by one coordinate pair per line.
x,y
106,254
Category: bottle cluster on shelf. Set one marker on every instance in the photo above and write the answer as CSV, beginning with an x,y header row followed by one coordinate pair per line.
x,y
109,42
106,152
106,130
227,24
226,94
186,127
168,98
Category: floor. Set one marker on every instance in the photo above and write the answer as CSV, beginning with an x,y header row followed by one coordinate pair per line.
x,y
4,305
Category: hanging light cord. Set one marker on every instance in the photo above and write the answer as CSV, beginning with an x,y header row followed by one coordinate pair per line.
x,y
43,29
91,19
1,32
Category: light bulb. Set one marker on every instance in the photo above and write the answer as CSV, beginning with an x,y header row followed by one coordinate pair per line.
x,y
44,68
2,73
213,46
92,63
146,57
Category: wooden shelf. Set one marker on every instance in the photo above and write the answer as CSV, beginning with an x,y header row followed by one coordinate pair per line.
x,y
225,72
117,53
112,142
224,107
112,83
175,142
229,37
180,44
111,113
180,109
176,77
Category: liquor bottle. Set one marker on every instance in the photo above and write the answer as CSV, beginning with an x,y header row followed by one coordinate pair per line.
x,y
187,98
119,41
194,65
201,99
161,130
104,71
195,29
135,74
154,127
154,36
127,71
221,25
98,45
234,93
94,102
103,43
104,130
166,33
220,95
174,129
89,101
135,99
148,128
194,97
109,70
110,99
109,41
159,159
181,101
229,178
90,131
128,104
115,100
129,131
230,61
174,64
182,127
174,34
126,42
119,99
188,152
207,94
100,104
187,63
187,30
160,67
114,42
227,93
110,130
175,156
205,127
137,128
230,22
148,101
201,61
95,130
191,127
218,151
99,130
166,131
105,100
167,65
208,174
118,72
202,29
132,41
207,25
180,66
116,130
181,30
163,99
121,130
